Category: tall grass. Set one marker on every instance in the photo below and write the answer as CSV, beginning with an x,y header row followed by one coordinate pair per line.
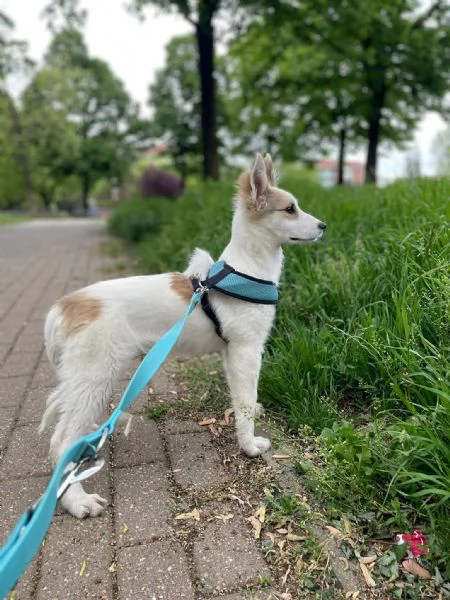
x,y
359,351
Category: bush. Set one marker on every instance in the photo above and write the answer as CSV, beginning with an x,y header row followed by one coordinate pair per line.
x,y
156,183
135,220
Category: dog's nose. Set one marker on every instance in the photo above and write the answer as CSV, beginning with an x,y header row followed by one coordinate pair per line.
x,y
322,225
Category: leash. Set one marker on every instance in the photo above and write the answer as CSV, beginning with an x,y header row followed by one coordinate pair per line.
x,y
82,459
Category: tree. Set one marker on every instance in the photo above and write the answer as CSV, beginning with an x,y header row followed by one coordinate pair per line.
x,y
400,60
13,59
175,98
92,99
200,13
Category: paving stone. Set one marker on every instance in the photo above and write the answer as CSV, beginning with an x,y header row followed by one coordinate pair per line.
x,y
44,376
27,453
16,496
29,340
26,584
142,445
9,332
4,350
33,406
195,461
226,558
155,571
245,595
19,363
76,559
176,426
142,503
12,390
7,416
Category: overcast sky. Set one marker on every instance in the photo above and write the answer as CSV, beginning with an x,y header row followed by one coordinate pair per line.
x,y
135,50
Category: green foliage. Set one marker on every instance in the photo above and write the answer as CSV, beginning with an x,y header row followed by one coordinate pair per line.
x,y
137,219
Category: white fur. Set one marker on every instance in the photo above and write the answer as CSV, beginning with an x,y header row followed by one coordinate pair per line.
x,y
137,311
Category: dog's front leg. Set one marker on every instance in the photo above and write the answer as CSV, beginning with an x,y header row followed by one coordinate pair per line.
x,y
242,366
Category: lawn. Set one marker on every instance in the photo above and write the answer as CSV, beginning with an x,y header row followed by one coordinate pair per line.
x,y
358,359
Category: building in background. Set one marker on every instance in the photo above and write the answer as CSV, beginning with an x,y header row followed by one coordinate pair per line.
x,y
328,172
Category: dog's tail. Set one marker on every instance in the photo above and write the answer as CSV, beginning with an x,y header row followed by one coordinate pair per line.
x,y
199,264
52,335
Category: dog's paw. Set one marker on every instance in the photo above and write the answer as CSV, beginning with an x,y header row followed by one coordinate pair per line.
x,y
259,410
257,446
85,505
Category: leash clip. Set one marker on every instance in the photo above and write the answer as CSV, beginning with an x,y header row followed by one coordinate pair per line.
x,y
77,472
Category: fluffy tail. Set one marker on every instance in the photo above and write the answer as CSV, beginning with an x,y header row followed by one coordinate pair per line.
x,y
52,335
199,264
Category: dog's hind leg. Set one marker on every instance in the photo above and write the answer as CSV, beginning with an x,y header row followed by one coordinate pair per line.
x,y
242,366
79,404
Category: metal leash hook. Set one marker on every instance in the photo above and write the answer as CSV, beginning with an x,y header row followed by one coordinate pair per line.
x,y
74,474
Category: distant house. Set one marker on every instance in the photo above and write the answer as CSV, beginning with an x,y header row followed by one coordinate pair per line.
x,y
328,172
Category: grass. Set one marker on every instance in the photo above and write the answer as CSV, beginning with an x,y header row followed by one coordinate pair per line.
x,y
10,219
359,352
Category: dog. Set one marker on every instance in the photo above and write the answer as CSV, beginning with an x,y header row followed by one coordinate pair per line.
x,y
92,335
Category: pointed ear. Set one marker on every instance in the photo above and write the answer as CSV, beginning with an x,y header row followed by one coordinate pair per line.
x,y
272,175
259,183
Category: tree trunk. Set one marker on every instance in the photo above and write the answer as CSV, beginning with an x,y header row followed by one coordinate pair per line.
x,y
205,44
341,159
374,134
22,158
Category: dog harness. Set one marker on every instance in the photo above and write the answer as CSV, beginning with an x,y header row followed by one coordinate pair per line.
x,y
226,280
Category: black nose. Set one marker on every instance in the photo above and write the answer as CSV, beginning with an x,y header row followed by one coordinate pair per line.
x,y
322,225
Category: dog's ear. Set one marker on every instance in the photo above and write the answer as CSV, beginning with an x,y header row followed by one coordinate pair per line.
x,y
272,174
259,183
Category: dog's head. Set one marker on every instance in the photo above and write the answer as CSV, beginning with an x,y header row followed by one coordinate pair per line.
x,y
274,209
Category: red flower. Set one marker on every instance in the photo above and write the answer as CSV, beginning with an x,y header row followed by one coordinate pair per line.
x,y
417,542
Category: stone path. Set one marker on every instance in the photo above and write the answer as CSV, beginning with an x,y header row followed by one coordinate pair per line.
x,y
137,549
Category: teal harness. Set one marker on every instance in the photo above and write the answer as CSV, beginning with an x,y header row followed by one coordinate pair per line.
x,y
82,459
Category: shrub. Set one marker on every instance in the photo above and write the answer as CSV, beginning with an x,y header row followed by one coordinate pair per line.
x,y
135,220
156,183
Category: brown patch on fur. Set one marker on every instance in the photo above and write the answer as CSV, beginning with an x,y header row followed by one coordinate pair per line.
x,y
78,311
182,286
278,200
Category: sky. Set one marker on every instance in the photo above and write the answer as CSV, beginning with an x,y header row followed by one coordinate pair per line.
x,y
135,51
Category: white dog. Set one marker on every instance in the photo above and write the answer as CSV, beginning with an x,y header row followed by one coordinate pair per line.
x,y
93,334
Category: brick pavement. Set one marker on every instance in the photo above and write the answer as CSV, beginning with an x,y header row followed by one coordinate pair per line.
x,y
137,549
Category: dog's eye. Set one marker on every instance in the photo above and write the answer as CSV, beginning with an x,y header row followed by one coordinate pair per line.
x,y
290,209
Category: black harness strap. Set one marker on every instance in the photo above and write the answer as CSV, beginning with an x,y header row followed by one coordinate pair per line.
x,y
209,311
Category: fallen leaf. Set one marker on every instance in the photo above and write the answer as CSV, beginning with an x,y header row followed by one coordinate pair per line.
x,y
224,518
296,538
194,514
112,568
256,523
285,576
207,421
271,537
125,529
299,565
281,456
367,560
334,532
83,568
212,372
282,531
413,567
347,525
261,513
12,595
227,414
213,429
309,456
367,576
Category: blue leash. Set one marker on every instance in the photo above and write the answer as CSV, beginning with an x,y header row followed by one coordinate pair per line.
x,y
26,537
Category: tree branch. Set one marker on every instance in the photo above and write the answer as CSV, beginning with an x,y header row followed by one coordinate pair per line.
x,y
426,15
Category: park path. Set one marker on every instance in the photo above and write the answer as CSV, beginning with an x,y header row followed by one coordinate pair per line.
x,y
137,549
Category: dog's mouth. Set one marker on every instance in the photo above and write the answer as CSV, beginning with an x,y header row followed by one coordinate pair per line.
x,y
311,239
